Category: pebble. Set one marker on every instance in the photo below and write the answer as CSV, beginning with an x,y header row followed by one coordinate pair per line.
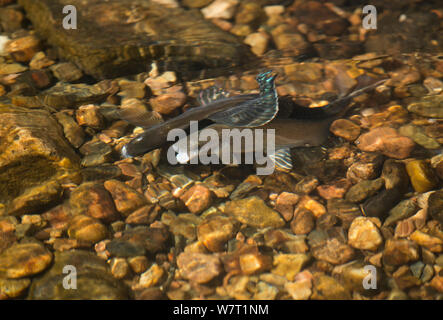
x,y
364,189
184,224
23,49
437,164
220,9
126,199
199,267
197,199
89,115
215,232
24,259
403,210
303,222
418,135
254,212
249,13
353,275
84,228
400,251
144,215
138,264
254,263
13,288
72,131
333,251
94,280
196,3
335,190
421,175
342,210
168,102
395,175
306,185
431,243
363,234
69,96
119,268
289,265
380,204
346,129
258,41
312,205
40,61
435,206
361,170
327,288
428,106
274,10
151,277
124,249
285,204
11,68
437,283
93,200
66,71
132,89
387,141
299,290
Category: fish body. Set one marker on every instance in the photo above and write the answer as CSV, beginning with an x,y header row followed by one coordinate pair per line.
x,y
246,110
311,130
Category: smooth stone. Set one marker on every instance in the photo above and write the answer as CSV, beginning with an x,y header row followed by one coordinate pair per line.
x,y
400,251
387,141
35,160
128,35
418,135
254,212
429,106
435,206
289,265
24,259
422,176
199,267
94,280
363,234
363,190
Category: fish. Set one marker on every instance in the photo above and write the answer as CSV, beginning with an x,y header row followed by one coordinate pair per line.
x,y
246,110
310,128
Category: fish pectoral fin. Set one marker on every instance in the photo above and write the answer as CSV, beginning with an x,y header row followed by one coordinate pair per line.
x,y
282,158
211,94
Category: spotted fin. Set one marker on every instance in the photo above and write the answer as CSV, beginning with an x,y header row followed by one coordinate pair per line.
x,y
255,112
211,94
282,159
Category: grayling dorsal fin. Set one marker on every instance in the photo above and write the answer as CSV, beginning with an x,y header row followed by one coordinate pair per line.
x,y
250,114
211,94
282,159
255,112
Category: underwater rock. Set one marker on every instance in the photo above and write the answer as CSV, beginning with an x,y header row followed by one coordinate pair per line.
x,y
94,280
24,259
35,159
253,211
123,37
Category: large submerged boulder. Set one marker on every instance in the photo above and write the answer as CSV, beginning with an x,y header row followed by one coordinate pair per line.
x,y
118,37
35,159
